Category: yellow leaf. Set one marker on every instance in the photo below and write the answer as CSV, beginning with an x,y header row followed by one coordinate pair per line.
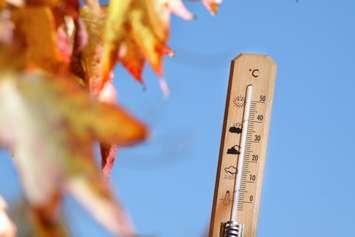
x,y
51,125
138,30
151,47
113,34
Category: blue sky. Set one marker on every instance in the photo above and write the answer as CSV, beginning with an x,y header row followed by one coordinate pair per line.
x,y
167,183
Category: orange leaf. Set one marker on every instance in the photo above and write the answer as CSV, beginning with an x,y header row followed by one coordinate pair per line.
x,y
132,59
136,33
138,30
108,151
212,5
30,23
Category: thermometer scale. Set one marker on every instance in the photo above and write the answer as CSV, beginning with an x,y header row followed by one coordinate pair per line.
x,y
243,147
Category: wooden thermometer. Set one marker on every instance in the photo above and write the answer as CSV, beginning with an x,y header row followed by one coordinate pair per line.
x,y
243,147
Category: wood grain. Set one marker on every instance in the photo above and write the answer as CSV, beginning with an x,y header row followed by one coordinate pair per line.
x,y
258,71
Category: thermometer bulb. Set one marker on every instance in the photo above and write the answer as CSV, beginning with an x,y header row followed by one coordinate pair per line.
x,y
233,229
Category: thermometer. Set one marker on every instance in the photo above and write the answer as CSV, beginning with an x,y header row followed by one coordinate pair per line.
x,y
243,147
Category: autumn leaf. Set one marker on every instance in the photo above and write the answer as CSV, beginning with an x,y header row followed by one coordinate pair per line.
x,y
133,33
114,30
51,125
57,99
7,228
131,58
38,52
108,151
178,8
91,54
90,66
6,27
35,37
212,5
138,31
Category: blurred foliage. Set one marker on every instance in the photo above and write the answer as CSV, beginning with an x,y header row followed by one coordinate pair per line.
x,y
57,98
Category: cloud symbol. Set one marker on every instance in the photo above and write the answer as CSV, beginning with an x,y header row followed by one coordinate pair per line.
x,y
231,170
